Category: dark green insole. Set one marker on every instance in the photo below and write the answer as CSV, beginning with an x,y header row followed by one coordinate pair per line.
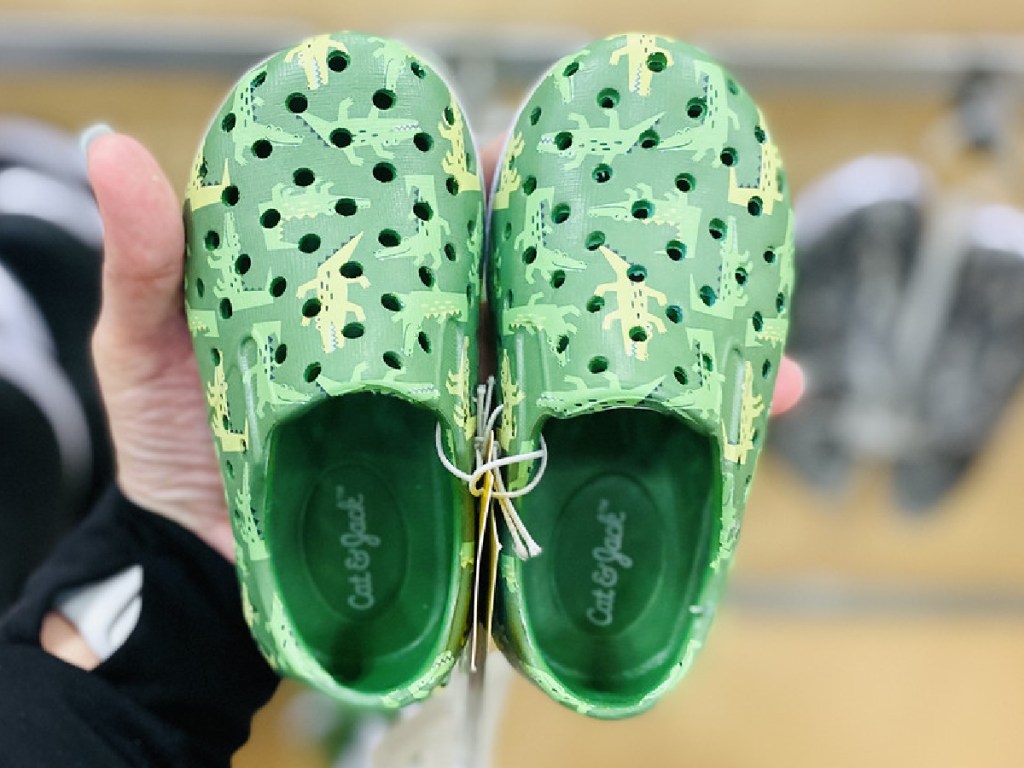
x,y
624,514
362,527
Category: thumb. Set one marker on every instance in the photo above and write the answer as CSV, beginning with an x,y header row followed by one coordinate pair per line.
x,y
143,244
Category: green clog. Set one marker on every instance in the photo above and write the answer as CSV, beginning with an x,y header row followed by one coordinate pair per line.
x,y
641,267
334,229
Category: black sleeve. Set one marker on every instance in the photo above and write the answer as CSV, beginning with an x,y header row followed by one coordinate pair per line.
x,y
180,692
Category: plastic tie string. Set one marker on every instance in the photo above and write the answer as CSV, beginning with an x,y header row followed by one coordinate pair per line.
x,y
487,485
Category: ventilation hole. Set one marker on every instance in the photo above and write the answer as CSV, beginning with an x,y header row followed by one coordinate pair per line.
x,y
337,61
557,278
759,135
674,313
452,185
228,123
530,185
449,115
563,140
423,141
422,211
471,226
602,173
351,270
595,240
260,79
212,240
757,321
506,233
231,468
341,137
281,353
717,229
741,276
530,255
469,292
562,344
391,302
649,139
769,256
262,149
311,372
389,238
229,196
384,172
638,333
297,103
392,360
278,286
424,341
595,303
707,362
780,303
680,373
571,69
642,209
309,243
766,369
657,62
695,108
225,308
708,295
728,156
418,70
242,264
353,330
509,298
560,213
346,206
426,276
384,99
303,177
636,273
676,250
215,356
685,182
311,308
598,364
733,88
200,287
535,115
270,218
449,251
608,98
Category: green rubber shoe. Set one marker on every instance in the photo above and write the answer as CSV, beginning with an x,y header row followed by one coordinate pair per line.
x,y
641,267
334,229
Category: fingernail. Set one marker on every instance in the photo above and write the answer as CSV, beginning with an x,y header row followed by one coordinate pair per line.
x,y
90,134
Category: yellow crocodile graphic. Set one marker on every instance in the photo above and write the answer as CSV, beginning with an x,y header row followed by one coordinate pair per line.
x,y
201,322
247,130
767,187
704,389
198,194
730,294
511,396
332,288
631,310
456,161
458,386
510,178
220,420
638,49
420,306
312,55
751,406
246,525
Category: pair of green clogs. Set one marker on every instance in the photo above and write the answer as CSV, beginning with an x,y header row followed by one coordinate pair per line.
x,y
640,267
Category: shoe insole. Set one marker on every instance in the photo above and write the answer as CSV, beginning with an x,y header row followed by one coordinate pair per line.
x,y
362,525
624,516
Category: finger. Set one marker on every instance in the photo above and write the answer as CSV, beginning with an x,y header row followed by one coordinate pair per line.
x,y
490,156
789,386
143,243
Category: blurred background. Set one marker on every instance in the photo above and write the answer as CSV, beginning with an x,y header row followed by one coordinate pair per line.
x,y
876,614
